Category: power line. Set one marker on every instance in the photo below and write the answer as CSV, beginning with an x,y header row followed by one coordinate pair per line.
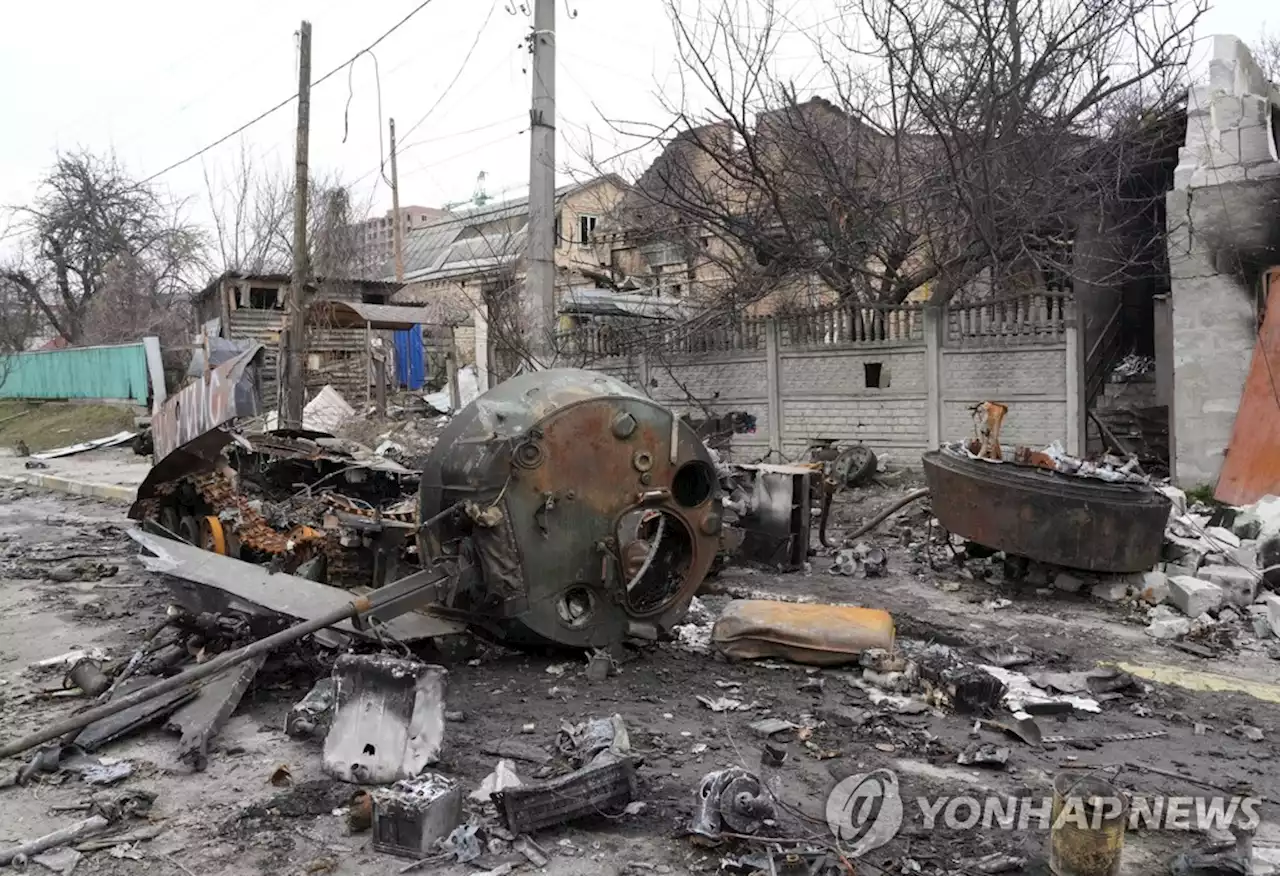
x,y
291,98
454,81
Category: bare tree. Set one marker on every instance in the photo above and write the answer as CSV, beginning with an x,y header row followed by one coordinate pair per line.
x,y
958,144
89,218
253,221
1266,51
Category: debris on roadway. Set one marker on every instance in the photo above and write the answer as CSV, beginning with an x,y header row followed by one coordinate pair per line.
x,y
564,611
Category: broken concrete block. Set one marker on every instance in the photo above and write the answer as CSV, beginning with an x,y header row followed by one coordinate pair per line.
x,y
411,816
1228,616
1239,586
388,719
1261,621
1172,570
1155,588
1193,597
1247,525
1067,582
1169,628
1111,590
1176,496
1246,555
1223,536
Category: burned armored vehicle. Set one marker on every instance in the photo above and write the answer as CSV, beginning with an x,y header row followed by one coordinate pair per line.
x,y
561,507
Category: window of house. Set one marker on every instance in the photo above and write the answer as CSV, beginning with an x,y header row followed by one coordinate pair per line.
x,y
264,297
586,225
374,298
874,375
676,289
559,233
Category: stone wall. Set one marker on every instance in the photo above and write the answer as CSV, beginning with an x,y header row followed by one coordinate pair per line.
x,y
899,384
1223,230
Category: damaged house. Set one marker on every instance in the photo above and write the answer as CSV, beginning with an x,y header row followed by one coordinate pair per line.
x,y
469,268
1218,352
351,328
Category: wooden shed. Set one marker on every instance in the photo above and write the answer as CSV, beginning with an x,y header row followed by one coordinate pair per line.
x,y
340,335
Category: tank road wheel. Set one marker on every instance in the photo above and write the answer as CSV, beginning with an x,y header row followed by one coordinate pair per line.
x,y
169,522
212,537
189,529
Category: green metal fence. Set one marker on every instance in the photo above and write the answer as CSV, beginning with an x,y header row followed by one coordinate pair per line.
x,y
77,372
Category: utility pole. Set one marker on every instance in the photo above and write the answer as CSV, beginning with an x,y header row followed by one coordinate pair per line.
x,y
397,234
540,279
292,388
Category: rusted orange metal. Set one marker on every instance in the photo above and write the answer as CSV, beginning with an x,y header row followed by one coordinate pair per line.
x,y
215,539
817,634
1252,466
987,418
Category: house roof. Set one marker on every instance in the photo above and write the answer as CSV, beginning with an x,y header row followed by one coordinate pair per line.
x,y
346,314
388,286
461,245
607,302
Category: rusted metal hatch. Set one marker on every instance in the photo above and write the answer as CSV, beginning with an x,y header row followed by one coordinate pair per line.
x,y
1252,466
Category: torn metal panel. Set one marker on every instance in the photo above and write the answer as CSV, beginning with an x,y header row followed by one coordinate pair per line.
x,y
223,394
203,581
73,449
186,431
777,520
1077,522
388,720
99,733
199,720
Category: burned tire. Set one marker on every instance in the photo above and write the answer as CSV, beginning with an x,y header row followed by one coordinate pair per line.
x,y
855,466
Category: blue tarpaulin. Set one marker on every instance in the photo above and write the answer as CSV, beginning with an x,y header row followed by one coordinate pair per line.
x,y
411,364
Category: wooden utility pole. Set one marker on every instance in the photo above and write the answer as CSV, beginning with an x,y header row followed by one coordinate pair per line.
x,y
292,386
541,277
397,233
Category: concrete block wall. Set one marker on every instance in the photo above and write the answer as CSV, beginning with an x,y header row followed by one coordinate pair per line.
x,y
1223,228
892,396
1032,381
825,393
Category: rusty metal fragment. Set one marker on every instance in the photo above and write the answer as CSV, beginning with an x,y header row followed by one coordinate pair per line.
x,y
1077,522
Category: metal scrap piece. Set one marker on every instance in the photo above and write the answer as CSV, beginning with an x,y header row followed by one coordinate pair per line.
x,y
204,581
199,720
388,720
607,784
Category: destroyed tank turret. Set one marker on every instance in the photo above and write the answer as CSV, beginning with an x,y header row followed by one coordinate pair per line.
x,y
586,511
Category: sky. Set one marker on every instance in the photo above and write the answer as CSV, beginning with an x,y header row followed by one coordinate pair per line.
x,y
156,81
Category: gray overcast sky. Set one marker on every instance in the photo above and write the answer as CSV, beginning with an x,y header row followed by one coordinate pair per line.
x,y
157,80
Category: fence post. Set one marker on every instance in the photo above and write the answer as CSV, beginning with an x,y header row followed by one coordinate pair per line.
x,y
934,318
772,369
1075,381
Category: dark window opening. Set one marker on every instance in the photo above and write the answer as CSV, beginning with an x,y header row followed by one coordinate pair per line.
x,y
264,298
559,232
586,225
872,372
374,298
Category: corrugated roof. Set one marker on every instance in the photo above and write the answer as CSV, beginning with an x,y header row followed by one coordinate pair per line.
x,y
461,245
379,316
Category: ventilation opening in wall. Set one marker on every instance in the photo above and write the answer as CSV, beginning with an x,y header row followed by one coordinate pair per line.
x,y
873,372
